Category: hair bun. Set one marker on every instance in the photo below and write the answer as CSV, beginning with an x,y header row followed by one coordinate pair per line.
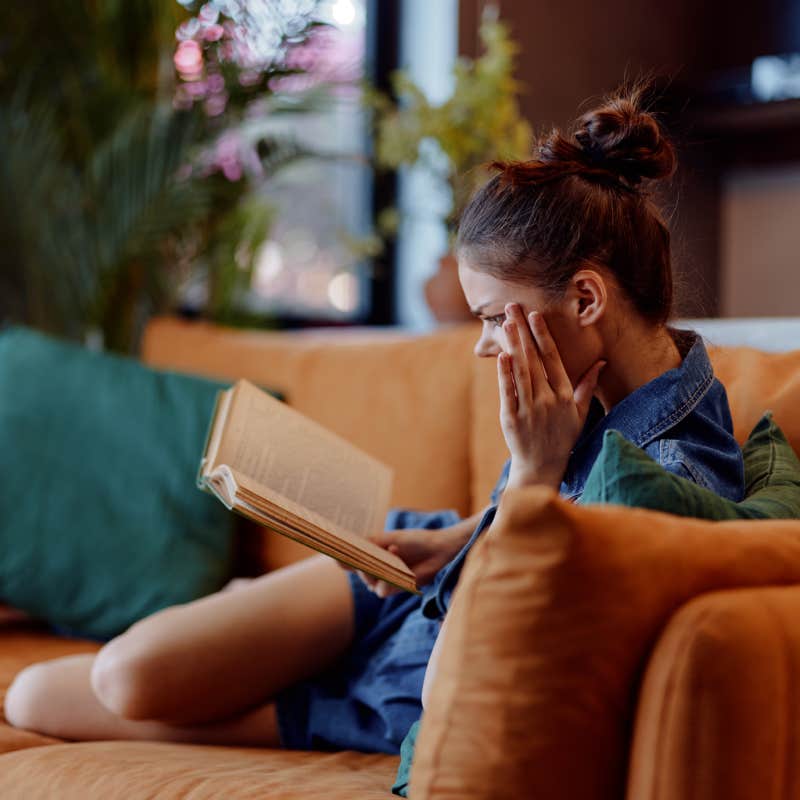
x,y
621,137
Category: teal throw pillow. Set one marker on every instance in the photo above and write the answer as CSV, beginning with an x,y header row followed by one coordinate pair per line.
x,y
625,475
406,757
100,520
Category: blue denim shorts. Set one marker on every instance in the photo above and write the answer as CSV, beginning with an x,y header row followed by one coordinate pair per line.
x,y
372,696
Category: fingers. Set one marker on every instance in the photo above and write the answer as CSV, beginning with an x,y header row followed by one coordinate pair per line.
x,y
551,359
367,580
585,389
526,368
508,397
378,587
383,539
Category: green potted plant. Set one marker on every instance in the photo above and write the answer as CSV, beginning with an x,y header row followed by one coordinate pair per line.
x,y
131,158
481,122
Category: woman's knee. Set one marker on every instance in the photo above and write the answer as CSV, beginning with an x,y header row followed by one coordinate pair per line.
x,y
124,679
29,699
22,706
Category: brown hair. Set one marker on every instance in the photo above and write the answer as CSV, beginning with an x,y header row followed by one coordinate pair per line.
x,y
583,200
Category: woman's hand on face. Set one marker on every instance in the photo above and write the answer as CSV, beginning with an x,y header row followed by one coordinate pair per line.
x,y
541,414
425,552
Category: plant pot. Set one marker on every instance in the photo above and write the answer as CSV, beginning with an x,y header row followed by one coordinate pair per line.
x,y
444,295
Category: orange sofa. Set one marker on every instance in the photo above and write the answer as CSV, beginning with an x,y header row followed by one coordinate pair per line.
x,y
676,706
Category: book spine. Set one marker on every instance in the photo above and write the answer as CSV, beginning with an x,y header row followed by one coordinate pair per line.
x,y
200,480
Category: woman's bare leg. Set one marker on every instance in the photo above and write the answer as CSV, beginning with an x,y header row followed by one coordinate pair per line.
x,y
56,698
205,661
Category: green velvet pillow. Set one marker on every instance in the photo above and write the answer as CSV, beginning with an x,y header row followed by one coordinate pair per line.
x,y
100,520
625,475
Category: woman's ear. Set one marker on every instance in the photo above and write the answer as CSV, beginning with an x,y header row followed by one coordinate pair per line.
x,y
589,296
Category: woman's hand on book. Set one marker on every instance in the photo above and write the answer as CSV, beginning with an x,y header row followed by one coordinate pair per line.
x,y
425,551
541,413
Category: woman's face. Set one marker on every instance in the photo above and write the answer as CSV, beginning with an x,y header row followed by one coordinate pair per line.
x,y
487,297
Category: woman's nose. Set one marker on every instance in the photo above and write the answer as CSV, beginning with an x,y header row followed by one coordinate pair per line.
x,y
486,347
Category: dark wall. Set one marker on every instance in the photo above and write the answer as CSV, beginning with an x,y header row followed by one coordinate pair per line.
x,y
574,51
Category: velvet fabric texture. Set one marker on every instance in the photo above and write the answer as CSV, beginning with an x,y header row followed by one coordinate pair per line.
x,y
550,627
718,710
625,475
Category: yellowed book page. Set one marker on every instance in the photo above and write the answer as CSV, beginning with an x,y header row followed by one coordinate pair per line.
x,y
402,576
257,497
355,551
303,462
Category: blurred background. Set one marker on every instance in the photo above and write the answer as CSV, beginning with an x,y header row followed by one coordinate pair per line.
x,y
293,163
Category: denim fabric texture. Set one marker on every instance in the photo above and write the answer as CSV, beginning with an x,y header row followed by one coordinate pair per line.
x,y
371,698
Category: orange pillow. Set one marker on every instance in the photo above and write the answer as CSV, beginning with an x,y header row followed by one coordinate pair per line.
x,y
550,628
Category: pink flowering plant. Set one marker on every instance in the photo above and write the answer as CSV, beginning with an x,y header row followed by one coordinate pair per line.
x,y
135,143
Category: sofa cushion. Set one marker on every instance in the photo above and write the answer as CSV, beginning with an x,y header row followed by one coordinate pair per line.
x,y
755,381
718,708
126,770
551,625
100,520
625,475
418,385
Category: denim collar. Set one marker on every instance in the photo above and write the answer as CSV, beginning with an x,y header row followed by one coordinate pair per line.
x,y
647,413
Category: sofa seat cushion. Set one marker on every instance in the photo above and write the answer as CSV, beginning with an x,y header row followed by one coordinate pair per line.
x,y
22,644
131,770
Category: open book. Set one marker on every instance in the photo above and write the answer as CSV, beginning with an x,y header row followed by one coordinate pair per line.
x,y
268,462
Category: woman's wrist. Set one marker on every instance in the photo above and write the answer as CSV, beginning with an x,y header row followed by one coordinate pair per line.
x,y
521,476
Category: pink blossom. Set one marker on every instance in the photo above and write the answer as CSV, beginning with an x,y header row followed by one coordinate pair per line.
x,y
196,89
216,104
188,58
187,30
213,33
209,14
215,83
232,171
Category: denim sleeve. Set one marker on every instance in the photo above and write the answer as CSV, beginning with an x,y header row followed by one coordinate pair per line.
x,y
721,470
398,518
501,484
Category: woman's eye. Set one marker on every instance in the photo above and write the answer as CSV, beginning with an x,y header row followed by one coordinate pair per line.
x,y
496,321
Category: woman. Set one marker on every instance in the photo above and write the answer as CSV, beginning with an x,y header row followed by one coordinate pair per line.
x,y
566,260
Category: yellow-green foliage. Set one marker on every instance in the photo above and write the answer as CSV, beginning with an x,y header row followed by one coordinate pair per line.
x,y
480,123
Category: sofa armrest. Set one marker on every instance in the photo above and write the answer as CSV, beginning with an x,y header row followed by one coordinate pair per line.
x,y
719,709
552,625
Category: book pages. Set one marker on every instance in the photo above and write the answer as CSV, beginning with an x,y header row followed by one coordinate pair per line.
x,y
297,459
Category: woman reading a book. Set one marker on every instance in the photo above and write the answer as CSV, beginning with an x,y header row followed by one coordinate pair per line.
x,y
566,260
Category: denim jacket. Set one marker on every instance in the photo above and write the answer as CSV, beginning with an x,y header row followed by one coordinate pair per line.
x,y
680,419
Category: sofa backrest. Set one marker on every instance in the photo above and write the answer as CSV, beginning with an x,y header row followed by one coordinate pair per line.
x,y
422,403
403,398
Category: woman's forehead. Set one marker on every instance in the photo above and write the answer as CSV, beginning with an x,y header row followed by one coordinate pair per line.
x,y
485,292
